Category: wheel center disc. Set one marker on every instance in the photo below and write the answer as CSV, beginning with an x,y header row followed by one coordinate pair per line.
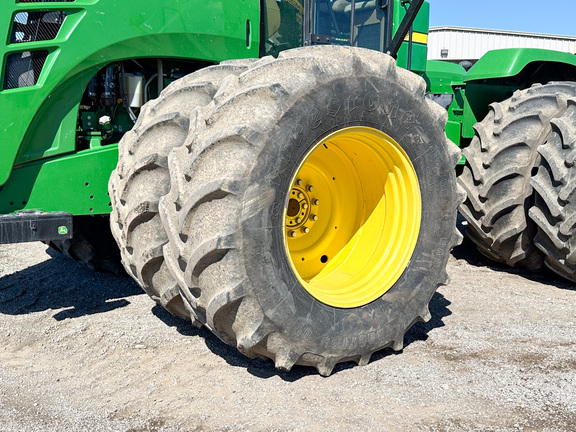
x,y
352,217
299,213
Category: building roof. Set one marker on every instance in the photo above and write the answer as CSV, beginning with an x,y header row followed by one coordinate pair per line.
x,y
463,43
501,32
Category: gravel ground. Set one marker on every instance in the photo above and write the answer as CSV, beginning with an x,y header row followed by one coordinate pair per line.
x,y
81,351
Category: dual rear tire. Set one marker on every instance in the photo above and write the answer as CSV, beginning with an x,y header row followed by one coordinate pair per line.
x,y
310,208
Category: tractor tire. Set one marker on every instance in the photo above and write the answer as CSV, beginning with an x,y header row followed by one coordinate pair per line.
x,y
312,208
141,178
554,210
92,244
499,164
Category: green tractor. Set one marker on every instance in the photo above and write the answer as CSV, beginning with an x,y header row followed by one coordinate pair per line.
x,y
282,172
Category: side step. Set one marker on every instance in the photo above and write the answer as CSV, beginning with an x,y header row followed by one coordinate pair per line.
x,y
29,226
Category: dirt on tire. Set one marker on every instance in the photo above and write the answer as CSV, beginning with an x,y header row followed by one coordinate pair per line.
x,y
142,177
554,209
499,164
229,181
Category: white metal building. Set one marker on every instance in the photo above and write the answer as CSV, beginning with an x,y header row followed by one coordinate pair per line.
x,y
460,43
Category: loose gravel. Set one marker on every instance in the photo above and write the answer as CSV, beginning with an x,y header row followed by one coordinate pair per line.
x,y
81,351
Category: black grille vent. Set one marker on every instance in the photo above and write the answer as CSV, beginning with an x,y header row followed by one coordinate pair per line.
x,y
36,26
23,69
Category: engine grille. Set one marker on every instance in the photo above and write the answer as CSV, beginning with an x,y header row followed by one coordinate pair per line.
x,y
36,26
23,69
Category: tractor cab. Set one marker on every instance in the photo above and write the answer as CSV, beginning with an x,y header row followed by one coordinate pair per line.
x,y
396,27
355,23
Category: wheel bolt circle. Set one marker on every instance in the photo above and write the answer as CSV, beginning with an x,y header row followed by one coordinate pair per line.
x,y
299,209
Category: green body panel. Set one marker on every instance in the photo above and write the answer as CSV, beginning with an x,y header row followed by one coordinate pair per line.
x,y
75,183
510,62
447,78
442,77
40,121
420,26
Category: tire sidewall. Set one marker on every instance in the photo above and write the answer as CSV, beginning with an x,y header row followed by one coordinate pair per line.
x,y
317,112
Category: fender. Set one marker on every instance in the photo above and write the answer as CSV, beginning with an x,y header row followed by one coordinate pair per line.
x,y
505,63
499,73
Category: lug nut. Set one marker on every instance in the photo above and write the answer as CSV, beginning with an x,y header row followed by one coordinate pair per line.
x,y
298,220
305,230
316,202
299,182
304,206
292,233
313,218
310,188
300,195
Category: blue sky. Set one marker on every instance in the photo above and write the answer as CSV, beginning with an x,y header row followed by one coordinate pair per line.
x,y
535,16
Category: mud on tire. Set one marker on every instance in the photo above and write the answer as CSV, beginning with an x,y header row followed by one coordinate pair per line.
x,y
554,209
229,183
499,165
142,177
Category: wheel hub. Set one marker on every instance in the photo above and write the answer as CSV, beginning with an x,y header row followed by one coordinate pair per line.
x,y
302,211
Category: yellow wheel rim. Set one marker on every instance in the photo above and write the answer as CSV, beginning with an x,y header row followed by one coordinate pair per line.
x,y
352,217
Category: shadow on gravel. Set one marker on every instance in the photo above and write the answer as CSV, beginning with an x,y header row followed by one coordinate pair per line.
x,y
468,252
61,283
263,368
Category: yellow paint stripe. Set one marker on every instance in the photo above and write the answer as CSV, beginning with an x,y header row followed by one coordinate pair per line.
x,y
418,38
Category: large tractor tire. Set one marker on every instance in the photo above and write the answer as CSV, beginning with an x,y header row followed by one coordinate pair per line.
x,y
312,207
91,244
142,177
554,210
499,164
